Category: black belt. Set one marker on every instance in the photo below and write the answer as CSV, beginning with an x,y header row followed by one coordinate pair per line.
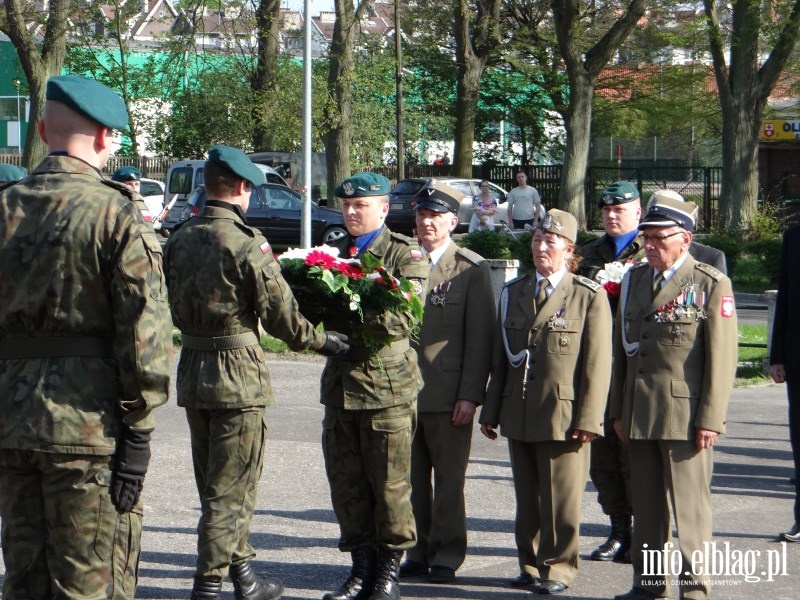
x,y
221,342
48,347
361,353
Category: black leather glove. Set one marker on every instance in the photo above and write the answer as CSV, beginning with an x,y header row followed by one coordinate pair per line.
x,y
133,457
336,344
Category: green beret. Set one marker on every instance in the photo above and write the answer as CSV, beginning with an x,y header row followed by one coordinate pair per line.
x,y
90,98
127,174
619,192
238,163
363,184
11,172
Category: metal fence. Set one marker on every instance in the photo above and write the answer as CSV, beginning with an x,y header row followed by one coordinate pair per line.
x,y
701,185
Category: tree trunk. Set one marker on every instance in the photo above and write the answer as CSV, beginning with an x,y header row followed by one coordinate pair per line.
x,y
737,199
37,66
339,109
572,194
263,80
470,71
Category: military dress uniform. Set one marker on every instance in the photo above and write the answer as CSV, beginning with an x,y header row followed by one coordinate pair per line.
x,y
454,351
84,355
551,379
222,280
674,366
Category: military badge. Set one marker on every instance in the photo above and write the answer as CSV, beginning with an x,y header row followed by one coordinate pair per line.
x,y
439,294
727,307
265,247
348,188
416,254
689,304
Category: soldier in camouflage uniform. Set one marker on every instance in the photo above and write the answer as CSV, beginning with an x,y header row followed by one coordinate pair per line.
x,y
222,280
85,349
370,409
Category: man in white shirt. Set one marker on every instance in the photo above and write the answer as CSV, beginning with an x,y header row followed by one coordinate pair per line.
x,y
524,204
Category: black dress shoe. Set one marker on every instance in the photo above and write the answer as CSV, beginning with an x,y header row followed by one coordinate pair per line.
x,y
412,568
551,586
793,535
524,579
440,574
634,594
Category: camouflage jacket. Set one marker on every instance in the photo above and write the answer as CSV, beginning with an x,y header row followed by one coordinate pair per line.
x,y
78,260
222,279
357,382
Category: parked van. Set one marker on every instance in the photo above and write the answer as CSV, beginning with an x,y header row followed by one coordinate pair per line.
x,y
183,177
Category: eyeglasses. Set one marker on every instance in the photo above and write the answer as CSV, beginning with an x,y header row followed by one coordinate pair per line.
x,y
659,239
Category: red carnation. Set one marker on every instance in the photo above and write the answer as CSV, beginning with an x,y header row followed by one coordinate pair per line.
x,y
612,288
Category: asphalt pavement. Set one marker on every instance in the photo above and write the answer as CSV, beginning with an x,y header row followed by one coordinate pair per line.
x,y
295,533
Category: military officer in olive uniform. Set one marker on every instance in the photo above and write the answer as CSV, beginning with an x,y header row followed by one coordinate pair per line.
x,y
85,349
622,242
370,408
675,342
455,352
222,281
548,388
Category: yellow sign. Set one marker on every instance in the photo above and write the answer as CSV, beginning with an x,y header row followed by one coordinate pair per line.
x,y
779,130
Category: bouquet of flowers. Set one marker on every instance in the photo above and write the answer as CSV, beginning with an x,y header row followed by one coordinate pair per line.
x,y
611,276
326,285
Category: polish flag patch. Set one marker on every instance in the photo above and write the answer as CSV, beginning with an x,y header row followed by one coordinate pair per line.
x,y
148,218
416,254
727,307
265,247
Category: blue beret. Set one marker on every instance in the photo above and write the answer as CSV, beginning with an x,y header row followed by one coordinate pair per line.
x,y
439,197
238,163
11,172
127,174
363,184
619,192
90,98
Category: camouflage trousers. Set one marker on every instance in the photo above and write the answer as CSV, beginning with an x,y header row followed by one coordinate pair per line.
x,y
62,536
228,455
368,462
609,470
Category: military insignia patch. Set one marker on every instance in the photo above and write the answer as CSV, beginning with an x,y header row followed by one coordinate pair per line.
x,y
416,285
265,247
147,216
348,189
726,307
417,254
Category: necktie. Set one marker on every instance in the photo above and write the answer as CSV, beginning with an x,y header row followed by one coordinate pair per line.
x,y
541,295
657,283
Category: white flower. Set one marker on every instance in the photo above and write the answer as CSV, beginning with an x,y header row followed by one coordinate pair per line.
x,y
613,271
303,252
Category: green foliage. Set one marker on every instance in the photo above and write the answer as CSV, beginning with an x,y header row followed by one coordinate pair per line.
x,y
488,243
520,249
731,246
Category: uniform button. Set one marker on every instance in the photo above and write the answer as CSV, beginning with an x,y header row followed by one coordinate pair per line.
x,y
645,336
648,318
641,371
535,329
644,353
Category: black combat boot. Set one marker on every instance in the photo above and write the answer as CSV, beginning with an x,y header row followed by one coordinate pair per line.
x,y
618,544
387,574
248,586
362,577
205,589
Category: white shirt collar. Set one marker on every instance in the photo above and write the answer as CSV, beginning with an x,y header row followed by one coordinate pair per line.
x,y
437,254
553,279
675,266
